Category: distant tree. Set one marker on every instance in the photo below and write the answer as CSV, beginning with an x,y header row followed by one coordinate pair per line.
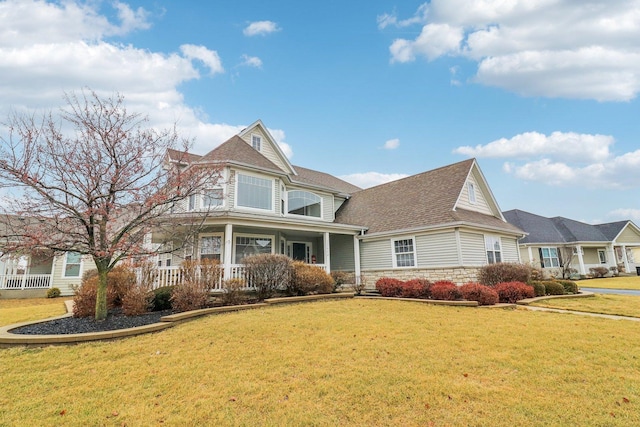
x,y
95,181
566,260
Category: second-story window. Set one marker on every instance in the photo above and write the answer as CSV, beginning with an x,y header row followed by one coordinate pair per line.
x,y
254,192
304,203
256,142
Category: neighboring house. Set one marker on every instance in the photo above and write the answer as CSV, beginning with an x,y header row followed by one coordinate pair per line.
x,y
441,224
551,243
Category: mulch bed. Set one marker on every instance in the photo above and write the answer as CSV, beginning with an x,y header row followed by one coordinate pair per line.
x,y
79,325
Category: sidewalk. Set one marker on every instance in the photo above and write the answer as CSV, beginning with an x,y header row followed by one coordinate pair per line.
x,y
582,313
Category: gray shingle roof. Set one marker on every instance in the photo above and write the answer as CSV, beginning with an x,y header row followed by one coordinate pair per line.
x,y
418,201
560,229
310,176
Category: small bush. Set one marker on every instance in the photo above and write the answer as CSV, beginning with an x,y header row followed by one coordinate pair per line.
x,y
341,278
614,271
538,288
492,274
536,274
207,272
232,291
120,280
389,287
267,273
415,288
308,278
570,287
553,288
84,299
484,295
598,271
510,292
359,285
162,298
445,290
53,293
190,296
137,300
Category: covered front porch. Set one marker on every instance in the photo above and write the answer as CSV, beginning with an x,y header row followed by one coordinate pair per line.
x,y
24,272
330,248
592,256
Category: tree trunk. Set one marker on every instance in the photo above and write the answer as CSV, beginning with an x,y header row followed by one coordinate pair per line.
x,y
101,297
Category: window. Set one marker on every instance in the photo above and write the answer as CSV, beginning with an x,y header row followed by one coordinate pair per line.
x,y
211,198
494,250
304,203
403,253
256,142
73,261
549,257
602,255
192,202
252,245
254,192
472,193
210,247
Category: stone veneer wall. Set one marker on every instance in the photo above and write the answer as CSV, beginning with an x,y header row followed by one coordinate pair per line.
x,y
458,275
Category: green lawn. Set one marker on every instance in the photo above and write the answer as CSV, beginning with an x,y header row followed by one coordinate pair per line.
x,y
23,310
624,305
348,362
627,282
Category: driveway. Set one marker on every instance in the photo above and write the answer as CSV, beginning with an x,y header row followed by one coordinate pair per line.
x,y
613,291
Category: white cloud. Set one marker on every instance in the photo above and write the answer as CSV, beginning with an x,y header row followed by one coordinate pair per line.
x,y
371,179
260,28
208,57
391,144
625,213
562,145
48,48
553,48
251,61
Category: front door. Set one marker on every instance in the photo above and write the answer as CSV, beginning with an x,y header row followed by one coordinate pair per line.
x,y
299,251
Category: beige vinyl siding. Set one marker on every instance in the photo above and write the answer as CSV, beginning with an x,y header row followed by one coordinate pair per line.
x,y
266,149
628,235
375,254
66,284
509,249
591,255
437,250
473,250
524,255
231,190
327,207
342,257
481,204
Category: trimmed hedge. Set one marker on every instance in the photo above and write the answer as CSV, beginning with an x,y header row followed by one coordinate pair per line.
x,y
484,295
492,274
553,288
570,287
510,292
539,289
389,287
445,290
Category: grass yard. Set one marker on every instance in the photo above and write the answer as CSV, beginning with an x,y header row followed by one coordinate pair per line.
x,y
24,310
626,282
622,305
348,362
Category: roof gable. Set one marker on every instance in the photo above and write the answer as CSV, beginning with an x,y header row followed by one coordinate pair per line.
x,y
237,151
419,201
482,199
269,147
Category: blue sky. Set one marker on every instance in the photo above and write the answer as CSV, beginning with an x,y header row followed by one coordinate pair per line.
x,y
543,94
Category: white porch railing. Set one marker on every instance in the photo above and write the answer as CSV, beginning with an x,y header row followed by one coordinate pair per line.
x,y
25,281
170,276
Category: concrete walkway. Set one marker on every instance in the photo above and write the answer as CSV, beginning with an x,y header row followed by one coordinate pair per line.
x,y
582,313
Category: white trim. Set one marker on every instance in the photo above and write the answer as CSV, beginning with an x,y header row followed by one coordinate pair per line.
x,y
394,257
64,266
259,139
271,139
286,204
253,175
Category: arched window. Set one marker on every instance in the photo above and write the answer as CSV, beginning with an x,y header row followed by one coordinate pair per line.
x,y
304,203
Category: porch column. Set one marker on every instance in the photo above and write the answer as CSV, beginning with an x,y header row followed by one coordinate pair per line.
x,y
228,247
356,257
327,252
625,260
530,254
612,254
581,270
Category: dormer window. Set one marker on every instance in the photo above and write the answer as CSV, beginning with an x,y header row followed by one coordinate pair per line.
x,y
472,193
256,142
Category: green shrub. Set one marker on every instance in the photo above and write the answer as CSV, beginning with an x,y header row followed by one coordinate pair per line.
x,y
389,287
570,287
161,299
484,295
510,292
553,288
538,288
53,293
492,274
445,290
267,273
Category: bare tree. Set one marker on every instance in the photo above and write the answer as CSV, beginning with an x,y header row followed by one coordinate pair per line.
x,y
95,181
566,259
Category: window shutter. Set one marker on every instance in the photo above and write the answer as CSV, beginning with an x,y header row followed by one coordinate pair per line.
x,y
541,259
